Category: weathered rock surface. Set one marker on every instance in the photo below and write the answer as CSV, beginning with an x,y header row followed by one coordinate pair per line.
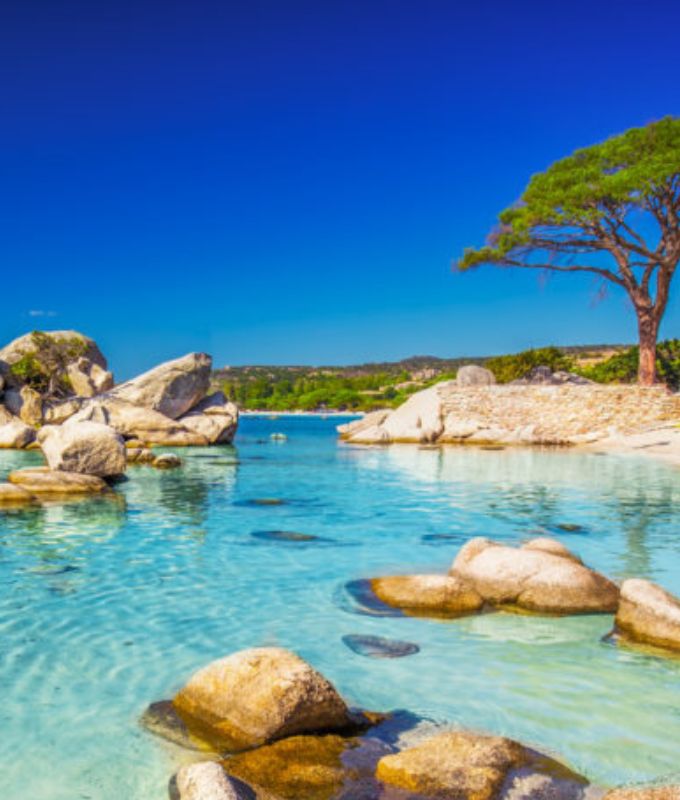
x,y
172,388
473,375
649,614
43,481
88,379
257,696
88,448
11,495
14,434
534,578
521,415
370,420
214,417
208,781
471,766
309,767
26,345
26,404
59,411
432,595
135,422
542,376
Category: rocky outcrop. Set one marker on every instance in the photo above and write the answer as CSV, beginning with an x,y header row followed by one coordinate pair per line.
x,y
565,414
214,418
472,375
172,388
431,595
649,614
49,379
135,422
471,766
208,781
538,576
40,481
544,376
88,448
63,361
257,696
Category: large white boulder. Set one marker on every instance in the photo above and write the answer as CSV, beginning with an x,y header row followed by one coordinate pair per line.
x,y
539,576
649,614
256,696
214,417
88,448
172,388
473,375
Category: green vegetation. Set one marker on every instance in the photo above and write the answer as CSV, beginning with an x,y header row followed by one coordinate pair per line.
x,y
622,367
611,210
511,367
44,368
370,386
310,389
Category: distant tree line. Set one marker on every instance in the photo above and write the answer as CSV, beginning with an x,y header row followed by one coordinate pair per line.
x,y
352,389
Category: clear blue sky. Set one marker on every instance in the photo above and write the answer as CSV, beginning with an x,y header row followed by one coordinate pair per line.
x,y
288,182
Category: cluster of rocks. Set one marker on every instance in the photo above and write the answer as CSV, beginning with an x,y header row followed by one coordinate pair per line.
x,y
93,429
541,576
279,730
544,408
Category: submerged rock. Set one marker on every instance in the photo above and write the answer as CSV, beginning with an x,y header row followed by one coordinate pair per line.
x,y
328,767
11,495
172,388
256,696
649,614
539,576
167,461
379,647
286,536
432,595
472,766
89,448
162,719
43,481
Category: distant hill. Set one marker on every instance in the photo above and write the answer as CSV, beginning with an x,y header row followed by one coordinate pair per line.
x,y
362,387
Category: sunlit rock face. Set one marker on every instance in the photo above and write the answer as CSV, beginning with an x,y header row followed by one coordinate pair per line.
x,y
649,614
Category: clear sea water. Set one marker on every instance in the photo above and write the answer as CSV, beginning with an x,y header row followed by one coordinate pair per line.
x,y
106,606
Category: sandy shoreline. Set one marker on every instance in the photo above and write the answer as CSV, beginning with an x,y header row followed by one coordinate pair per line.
x,y
661,443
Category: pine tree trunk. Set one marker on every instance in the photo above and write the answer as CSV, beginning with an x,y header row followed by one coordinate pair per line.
x,y
648,329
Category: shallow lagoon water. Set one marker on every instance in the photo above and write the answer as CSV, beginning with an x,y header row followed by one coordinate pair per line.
x,y
106,606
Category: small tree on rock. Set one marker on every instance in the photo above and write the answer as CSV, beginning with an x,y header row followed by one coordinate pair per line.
x,y
613,210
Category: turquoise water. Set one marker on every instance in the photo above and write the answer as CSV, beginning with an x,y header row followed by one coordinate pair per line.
x,y
106,606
